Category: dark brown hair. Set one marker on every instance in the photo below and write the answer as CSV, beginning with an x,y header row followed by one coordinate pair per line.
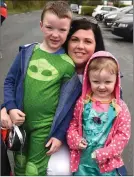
x,y
86,24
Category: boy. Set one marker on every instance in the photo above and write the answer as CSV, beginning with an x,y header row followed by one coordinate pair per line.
x,y
33,86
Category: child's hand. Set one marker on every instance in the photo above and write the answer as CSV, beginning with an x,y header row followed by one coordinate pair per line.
x,y
55,145
83,144
5,119
17,116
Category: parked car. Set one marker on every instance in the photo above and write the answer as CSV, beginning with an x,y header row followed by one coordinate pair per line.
x,y
124,27
102,9
114,12
74,8
111,18
104,15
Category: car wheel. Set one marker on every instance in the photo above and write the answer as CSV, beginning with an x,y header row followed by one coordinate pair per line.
x,y
97,17
131,36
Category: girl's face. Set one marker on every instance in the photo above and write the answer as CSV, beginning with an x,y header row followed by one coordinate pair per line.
x,y
81,46
102,84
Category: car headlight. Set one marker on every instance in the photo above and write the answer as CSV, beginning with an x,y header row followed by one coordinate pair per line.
x,y
122,25
112,16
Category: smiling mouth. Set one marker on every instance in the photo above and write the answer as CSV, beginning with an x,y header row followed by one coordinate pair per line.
x,y
79,53
53,41
102,91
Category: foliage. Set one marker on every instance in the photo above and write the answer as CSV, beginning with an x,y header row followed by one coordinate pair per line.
x,y
92,2
87,10
24,6
117,4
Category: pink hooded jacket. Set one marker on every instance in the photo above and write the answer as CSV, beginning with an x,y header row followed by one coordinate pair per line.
x,y
108,157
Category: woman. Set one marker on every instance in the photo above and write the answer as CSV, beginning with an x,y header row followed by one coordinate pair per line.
x,y
84,39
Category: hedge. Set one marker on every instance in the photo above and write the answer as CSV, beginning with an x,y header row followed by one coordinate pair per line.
x,y
119,5
87,10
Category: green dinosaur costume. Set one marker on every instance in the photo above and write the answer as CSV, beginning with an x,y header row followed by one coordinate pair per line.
x,y
43,80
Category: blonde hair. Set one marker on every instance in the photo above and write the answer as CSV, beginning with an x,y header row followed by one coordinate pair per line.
x,y
98,64
59,8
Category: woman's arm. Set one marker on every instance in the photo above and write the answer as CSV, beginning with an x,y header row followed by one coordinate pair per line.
x,y
69,94
60,133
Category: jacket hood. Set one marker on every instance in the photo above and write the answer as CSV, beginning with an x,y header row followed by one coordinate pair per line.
x,y
86,88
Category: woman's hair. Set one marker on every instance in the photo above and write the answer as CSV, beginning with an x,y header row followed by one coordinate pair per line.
x,y
98,64
86,24
59,8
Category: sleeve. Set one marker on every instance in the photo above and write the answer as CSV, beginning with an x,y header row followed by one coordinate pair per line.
x,y
120,137
10,84
70,70
73,137
61,132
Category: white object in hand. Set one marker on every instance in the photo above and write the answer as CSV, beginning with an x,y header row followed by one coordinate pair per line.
x,y
93,155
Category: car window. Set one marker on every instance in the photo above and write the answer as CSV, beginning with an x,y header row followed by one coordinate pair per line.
x,y
124,9
74,6
127,9
130,12
112,9
106,8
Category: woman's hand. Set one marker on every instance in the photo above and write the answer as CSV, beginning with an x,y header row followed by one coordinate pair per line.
x,y
5,119
83,144
55,145
17,116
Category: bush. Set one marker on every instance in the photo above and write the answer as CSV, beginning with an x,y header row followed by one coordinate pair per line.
x,y
24,6
91,2
119,5
87,10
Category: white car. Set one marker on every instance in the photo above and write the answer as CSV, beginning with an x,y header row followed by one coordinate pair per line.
x,y
74,8
102,9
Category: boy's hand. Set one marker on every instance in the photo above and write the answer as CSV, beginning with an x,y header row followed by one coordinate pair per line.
x,y
5,119
82,144
55,145
17,116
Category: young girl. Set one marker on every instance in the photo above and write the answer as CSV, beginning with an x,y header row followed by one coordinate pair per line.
x,y
100,128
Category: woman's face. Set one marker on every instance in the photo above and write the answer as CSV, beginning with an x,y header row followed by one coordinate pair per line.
x,y
81,46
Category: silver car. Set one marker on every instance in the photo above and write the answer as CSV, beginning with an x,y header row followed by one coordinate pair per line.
x,y
109,19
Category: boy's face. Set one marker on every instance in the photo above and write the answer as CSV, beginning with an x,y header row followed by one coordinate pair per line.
x,y
55,31
102,83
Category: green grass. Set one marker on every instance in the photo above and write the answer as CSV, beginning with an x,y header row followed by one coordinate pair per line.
x,y
22,7
24,10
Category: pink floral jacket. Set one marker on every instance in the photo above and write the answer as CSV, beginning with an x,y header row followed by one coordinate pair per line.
x,y
108,157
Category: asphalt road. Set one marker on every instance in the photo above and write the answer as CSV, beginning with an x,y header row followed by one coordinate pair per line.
x,y
21,29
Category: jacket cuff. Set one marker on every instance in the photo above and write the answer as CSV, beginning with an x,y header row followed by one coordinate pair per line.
x,y
10,105
101,156
60,136
2,106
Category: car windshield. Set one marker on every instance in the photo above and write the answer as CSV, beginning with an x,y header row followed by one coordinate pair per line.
x,y
74,6
130,12
125,9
